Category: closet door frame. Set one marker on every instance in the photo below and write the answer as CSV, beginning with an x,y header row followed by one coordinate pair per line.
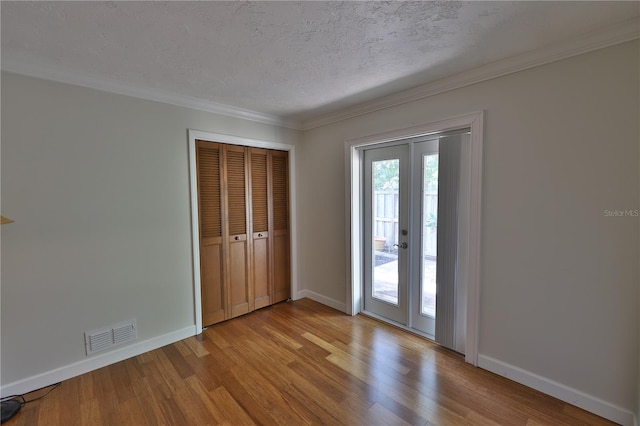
x,y
194,135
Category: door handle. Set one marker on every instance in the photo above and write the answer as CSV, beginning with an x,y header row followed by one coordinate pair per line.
x,y
401,245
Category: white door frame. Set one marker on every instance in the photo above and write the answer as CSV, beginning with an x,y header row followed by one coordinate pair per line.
x,y
195,226
353,200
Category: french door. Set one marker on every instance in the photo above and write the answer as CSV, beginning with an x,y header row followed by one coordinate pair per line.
x,y
386,237
410,221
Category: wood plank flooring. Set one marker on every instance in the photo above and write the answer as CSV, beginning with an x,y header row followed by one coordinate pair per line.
x,y
298,363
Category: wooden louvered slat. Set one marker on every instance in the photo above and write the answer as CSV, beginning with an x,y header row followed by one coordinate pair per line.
x,y
208,159
280,174
259,201
237,205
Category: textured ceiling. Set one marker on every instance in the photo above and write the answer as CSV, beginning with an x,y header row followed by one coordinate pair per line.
x,y
295,60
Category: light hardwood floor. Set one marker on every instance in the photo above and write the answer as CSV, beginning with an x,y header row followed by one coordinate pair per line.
x,y
298,363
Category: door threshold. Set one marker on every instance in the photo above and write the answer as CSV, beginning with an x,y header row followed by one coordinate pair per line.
x,y
398,325
410,330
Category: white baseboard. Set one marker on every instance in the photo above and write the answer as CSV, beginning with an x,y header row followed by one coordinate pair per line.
x,y
340,306
93,363
562,392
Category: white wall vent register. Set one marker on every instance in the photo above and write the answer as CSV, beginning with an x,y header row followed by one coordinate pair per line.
x,y
104,338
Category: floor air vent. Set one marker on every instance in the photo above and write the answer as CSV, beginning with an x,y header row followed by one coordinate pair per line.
x,y
104,338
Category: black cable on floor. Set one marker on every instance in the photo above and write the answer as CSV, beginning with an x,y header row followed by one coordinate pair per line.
x,y
10,405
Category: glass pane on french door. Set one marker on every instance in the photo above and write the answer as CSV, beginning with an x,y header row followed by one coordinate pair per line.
x,y
429,233
385,197
425,222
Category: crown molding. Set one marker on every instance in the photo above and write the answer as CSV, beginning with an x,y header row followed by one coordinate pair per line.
x,y
616,34
68,76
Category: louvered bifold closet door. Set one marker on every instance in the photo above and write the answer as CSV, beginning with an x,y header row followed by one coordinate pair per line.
x,y
280,228
238,259
260,272
208,159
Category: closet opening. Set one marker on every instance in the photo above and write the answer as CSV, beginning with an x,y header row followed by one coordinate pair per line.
x,y
242,223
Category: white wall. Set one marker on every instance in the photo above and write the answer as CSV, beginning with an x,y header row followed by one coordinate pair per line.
x,y
559,280
98,186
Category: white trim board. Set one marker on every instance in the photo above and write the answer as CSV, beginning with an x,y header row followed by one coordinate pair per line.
x,y
38,69
193,189
94,362
320,298
558,390
609,36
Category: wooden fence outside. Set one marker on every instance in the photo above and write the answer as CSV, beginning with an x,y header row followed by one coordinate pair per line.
x,y
386,207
